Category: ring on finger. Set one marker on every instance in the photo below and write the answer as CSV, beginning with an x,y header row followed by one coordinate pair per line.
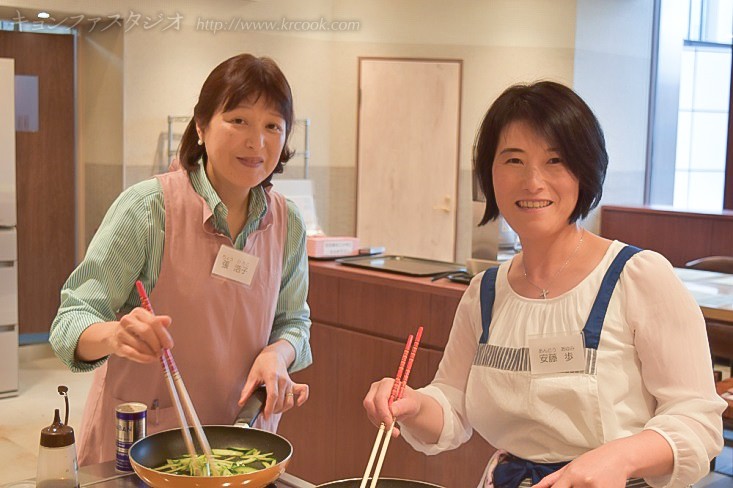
x,y
290,393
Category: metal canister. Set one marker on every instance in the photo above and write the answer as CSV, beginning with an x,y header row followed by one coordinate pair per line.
x,y
131,426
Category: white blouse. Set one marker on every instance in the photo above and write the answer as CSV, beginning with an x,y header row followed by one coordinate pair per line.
x,y
653,371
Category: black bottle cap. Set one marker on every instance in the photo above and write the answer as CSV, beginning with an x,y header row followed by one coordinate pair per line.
x,y
57,434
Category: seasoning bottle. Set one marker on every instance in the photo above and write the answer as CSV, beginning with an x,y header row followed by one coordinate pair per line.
x,y
57,465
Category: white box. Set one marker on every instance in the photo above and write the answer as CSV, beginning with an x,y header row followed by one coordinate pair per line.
x,y
332,247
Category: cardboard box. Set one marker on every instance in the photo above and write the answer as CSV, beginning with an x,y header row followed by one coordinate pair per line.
x,y
332,247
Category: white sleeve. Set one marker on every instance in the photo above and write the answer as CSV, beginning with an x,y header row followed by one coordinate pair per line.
x,y
448,387
671,342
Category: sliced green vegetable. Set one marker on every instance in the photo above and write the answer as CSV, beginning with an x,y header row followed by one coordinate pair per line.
x,y
231,461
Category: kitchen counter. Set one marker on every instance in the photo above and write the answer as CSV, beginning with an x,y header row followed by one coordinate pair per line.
x,y
441,287
104,475
361,319
712,291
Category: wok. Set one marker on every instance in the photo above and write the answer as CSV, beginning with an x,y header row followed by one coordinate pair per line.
x,y
152,451
382,483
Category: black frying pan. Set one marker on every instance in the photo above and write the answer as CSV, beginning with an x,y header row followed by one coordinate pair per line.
x,y
152,451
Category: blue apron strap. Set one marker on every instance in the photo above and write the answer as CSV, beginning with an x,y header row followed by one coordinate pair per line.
x,y
594,324
488,293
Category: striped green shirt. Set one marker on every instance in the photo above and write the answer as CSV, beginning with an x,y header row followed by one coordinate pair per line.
x,y
129,246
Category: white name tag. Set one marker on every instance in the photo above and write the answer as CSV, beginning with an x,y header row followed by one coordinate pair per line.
x,y
236,265
557,353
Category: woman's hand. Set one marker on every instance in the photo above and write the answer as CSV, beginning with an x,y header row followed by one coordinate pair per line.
x,y
644,454
140,336
376,404
600,467
271,369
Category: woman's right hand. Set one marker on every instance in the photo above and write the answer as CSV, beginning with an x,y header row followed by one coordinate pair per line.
x,y
141,336
376,404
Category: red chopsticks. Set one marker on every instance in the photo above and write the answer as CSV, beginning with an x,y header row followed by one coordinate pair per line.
x,y
175,381
398,389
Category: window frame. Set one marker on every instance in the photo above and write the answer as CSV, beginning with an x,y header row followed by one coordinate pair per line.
x,y
662,121
728,185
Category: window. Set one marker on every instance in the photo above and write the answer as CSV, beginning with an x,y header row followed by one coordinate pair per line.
x,y
693,61
23,24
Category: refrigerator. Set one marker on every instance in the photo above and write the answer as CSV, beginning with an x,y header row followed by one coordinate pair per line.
x,y
8,235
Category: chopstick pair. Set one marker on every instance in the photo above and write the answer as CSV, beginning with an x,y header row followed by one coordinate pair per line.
x,y
398,388
175,381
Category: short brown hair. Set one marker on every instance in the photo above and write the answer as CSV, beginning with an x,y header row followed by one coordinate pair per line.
x,y
565,120
239,79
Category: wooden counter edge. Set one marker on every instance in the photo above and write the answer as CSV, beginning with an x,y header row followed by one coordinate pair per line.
x,y
442,286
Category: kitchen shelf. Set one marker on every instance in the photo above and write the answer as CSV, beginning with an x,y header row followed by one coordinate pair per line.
x,y
175,120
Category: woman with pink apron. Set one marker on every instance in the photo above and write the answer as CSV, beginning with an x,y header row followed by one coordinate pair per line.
x,y
584,361
223,257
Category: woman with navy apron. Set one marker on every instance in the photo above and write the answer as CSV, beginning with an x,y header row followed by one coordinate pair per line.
x,y
584,361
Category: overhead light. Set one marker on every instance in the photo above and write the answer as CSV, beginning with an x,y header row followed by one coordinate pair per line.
x,y
43,15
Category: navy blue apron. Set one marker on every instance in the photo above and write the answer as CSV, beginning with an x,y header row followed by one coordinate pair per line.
x,y
511,473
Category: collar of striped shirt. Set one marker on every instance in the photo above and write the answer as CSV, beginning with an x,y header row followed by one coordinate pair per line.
x,y
202,185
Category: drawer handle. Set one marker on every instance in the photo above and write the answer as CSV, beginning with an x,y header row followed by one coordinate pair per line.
x,y
7,264
7,328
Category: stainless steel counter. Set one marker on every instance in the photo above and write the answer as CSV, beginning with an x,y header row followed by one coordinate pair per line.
x,y
104,476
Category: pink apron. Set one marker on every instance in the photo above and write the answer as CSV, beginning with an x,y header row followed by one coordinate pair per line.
x,y
219,326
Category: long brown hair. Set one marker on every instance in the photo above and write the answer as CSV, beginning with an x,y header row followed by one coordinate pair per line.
x,y
243,78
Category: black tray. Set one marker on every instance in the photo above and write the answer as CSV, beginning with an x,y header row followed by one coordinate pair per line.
x,y
402,265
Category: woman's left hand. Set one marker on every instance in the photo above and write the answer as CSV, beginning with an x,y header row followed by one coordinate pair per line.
x,y
644,454
271,369
599,467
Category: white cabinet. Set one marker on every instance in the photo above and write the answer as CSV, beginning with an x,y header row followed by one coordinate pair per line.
x,y
8,277
8,313
8,235
7,143
8,361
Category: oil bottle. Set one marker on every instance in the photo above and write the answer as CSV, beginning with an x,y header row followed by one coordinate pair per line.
x,y
57,464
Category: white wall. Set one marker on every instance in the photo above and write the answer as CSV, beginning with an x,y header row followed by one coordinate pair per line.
x,y
612,73
100,128
500,42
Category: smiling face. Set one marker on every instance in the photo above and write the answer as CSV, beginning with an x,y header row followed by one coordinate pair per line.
x,y
243,145
535,191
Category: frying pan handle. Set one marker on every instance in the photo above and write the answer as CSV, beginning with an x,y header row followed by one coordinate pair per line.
x,y
252,408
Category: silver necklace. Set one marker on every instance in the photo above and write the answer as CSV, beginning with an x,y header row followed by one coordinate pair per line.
x,y
545,291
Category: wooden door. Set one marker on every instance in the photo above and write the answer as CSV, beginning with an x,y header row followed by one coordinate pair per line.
x,y
45,178
407,155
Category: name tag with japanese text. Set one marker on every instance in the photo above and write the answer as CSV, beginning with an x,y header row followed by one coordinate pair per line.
x,y
235,265
557,353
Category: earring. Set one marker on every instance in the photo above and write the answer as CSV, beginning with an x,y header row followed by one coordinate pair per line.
x,y
200,142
